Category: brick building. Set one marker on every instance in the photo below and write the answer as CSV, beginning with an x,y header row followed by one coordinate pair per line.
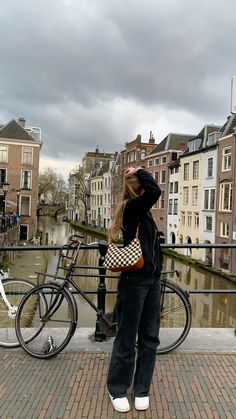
x,y
19,168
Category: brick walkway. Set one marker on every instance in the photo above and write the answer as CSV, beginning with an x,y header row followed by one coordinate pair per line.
x,y
73,385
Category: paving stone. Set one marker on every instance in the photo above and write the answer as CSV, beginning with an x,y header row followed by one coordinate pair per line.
x,y
185,385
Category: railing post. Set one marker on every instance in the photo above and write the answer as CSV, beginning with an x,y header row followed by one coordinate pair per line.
x,y
101,291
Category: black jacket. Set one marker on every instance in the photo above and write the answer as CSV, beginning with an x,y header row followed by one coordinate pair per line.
x,y
137,212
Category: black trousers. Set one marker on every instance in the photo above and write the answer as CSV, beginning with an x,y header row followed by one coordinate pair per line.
x,y
138,314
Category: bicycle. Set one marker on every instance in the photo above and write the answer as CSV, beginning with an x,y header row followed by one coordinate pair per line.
x,y
11,292
44,308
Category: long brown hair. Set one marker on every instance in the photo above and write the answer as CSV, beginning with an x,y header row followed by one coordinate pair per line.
x,y
132,189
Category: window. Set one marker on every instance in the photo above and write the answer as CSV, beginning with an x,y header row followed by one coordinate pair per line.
x,y
162,199
163,159
209,199
3,177
225,197
185,201
176,187
196,220
24,232
195,169
163,176
183,218
226,159
25,205
171,187
209,223
210,167
194,195
26,179
3,153
170,206
186,171
177,169
131,156
143,153
175,206
150,163
224,229
157,161
156,176
189,220
27,155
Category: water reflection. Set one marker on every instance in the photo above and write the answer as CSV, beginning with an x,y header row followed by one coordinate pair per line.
x,y
209,310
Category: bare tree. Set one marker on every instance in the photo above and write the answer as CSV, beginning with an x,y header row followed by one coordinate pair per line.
x,y
52,187
81,189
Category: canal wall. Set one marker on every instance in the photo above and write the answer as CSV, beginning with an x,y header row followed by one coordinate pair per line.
x,y
102,233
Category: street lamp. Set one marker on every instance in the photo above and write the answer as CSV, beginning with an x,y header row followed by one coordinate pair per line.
x,y
5,186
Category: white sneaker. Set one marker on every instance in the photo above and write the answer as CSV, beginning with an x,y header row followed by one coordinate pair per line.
x,y
120,404
141,403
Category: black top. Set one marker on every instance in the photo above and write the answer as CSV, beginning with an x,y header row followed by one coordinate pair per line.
x,y
137,212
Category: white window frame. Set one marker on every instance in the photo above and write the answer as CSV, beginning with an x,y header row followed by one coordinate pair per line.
x,y
196,169
161,176
222,194
226,159
32,156
210,192
224,229
25,196
208,217
186,171
194,195
22,180
3,153
150,163
210,168
185,195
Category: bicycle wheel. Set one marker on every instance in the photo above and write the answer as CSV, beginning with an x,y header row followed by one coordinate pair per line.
x,y
176,317
14,289
43,330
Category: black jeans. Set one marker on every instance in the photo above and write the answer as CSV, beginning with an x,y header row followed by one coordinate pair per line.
x,y
138,313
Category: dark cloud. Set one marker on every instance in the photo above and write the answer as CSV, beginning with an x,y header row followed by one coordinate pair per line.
x,y
83,70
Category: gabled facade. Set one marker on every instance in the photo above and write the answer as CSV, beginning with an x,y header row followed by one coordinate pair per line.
x,y
19,167
157,163
192,191
94,160
135,152
173,203
225,199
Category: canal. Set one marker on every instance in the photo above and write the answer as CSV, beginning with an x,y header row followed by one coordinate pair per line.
x,y
209,310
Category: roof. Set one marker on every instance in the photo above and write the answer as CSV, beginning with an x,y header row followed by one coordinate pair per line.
x,y
202,135
172,141
229,127
15,131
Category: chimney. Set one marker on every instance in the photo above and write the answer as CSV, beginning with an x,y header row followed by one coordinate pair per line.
x,y
151,138
182,146
21,121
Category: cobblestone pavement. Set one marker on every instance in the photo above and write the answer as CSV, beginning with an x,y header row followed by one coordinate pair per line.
x,y
73,385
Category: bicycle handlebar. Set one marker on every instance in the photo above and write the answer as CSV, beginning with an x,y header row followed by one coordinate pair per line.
x,y
75,237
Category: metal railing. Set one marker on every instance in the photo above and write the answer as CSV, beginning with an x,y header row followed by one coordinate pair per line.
x,y
102,275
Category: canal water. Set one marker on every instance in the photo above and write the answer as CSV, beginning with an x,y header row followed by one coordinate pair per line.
x,y
209,310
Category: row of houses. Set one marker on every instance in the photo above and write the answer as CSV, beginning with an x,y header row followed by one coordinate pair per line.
x,y
196,175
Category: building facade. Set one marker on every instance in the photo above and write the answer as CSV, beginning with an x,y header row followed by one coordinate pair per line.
x,y
19,168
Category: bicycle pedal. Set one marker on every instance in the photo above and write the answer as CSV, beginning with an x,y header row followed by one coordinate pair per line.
x,y
49,345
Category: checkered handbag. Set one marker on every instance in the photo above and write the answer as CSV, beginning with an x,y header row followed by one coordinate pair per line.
x,y
126,258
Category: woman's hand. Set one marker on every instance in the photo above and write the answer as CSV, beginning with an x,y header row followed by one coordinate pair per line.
x,y
131,171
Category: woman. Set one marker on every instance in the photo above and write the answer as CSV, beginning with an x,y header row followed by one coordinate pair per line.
x,y
138,301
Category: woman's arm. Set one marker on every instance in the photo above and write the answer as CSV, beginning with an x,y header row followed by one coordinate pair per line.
x,y
150,195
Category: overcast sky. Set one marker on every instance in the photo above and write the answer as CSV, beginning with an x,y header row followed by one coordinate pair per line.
x,y
99,72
